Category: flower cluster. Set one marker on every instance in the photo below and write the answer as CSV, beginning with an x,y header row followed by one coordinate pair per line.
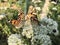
x,y
27,29
36,4
51,25
15,39
41,40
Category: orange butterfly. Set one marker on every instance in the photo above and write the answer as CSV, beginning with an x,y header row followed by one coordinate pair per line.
x,y
19,22
32,15
31,12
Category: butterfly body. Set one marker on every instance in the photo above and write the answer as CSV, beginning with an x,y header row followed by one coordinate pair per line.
x,y
32,15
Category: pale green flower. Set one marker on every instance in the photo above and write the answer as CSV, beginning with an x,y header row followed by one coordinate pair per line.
x,y
54,8
2,16
36,1
53,2
15,39
41,40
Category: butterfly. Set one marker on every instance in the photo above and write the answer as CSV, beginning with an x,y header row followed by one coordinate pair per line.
x,y
31,11
32,15
18,23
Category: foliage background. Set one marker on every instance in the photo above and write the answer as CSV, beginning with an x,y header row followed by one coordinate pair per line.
x,y
6,28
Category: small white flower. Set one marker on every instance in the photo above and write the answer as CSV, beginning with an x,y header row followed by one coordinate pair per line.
x,y
58,17
53,2
2,16
33,0
5,8
54,8
38,8
36,1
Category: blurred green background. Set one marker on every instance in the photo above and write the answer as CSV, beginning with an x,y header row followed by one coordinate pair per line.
x,y
6,28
